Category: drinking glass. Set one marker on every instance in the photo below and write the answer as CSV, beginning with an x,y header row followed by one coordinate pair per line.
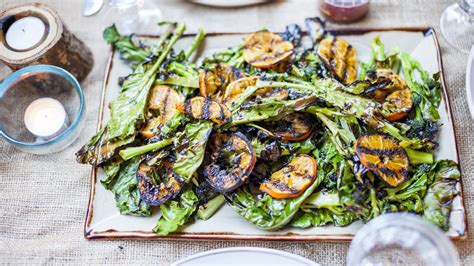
x,y
401,239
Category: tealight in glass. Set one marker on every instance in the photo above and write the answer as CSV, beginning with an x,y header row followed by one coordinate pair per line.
x,y
42,109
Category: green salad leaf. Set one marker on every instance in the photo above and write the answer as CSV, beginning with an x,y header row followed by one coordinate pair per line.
x,y
190,148
127,109
124,44
176,213
438,200
268,213
126,191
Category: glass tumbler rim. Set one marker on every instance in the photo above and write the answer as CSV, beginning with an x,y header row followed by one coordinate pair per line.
x,y
404,221
52,70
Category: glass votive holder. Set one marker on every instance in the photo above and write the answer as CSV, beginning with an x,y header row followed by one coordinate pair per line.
x,y
42,109
401,239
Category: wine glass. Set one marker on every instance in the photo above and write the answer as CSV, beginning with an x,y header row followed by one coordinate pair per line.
x,y
133,16
457,25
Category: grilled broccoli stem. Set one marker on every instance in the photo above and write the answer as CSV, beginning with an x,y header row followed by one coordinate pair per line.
x,y
419,157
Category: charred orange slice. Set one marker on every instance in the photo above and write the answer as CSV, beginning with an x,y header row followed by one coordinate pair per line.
x,y
292,180
235,89
152,127
395,96
156,193
165,100
382,155
339,57
272,93
264,49
230,162
293,127
212,81
207,109
397,105
387,81
397,82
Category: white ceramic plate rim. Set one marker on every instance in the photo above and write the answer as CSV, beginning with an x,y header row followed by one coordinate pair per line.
x,y
275,252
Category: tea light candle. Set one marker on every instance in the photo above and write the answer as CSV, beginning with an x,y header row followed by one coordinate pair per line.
x,y
45,117
25,33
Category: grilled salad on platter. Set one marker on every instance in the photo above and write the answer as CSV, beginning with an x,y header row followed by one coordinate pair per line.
x,y
286,132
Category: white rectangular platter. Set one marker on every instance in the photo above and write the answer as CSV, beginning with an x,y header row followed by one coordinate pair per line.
x,y
104,220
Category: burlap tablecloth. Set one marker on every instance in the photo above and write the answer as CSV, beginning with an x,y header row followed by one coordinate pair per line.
x,y
43,199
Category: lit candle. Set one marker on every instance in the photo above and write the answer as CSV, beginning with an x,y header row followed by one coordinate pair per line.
x,y
45,117
25,33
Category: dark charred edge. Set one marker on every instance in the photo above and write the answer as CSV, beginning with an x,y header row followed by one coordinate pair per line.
x,y
167,96
237,73
225,118
387,152
269,57
221,76
293,135
333,52
385,135
157,194
222,117
220,184
345,73
206,114
187,106
252,153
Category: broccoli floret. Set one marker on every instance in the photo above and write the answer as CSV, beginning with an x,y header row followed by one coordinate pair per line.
x,y
422,128
416,98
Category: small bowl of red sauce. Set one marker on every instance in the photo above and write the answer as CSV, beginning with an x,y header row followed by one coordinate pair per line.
x,y
344,11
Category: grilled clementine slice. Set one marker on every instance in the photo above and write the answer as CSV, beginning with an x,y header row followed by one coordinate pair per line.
x,y
293,179
382,155
339,57
213,80
230,161
293,127
234,90
204,108
154,193
165,100
397,105
395,95
264,49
